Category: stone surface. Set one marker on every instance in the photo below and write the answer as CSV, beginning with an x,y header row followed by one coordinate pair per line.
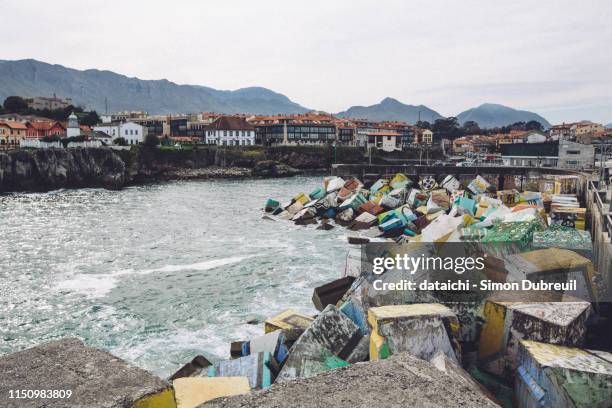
x,y
96,378
397,382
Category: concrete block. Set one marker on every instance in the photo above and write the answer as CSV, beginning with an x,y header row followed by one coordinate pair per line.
x,y
288,320
354,310
193,368
96,378
556,376
331,293
191,392
420,329
255,367
325,345
361,352
506,323
364,220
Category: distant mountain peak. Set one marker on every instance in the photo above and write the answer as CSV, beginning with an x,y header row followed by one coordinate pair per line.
x,y
391,109
490,115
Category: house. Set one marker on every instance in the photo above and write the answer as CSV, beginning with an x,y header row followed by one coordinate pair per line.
x,y
560,132
423,136
132,132
230,131
11,133
387,141
530,155
574,155
48,103
40,129
534,137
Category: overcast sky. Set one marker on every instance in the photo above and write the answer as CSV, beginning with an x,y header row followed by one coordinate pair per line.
x,y
550,56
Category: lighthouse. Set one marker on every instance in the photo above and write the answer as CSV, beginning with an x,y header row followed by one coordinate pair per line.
x,y
73,126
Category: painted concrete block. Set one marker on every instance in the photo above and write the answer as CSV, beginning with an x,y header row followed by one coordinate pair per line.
x,y
193,368
288,320
558,376
331,293
506,323
96,378
191,392
325,345
420,329
254,367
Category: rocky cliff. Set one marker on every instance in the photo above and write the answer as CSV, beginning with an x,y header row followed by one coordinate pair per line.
x,y
50,169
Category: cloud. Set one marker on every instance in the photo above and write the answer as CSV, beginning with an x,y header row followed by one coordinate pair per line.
x,y
552,56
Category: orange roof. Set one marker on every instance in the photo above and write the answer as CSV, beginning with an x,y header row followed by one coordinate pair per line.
x,y
14,125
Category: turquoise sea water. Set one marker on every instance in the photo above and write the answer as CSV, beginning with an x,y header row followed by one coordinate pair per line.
x,y
159,273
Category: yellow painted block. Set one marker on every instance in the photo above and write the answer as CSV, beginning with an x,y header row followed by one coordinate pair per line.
x,y
545,353
302,198
376,345
289,319
164,399
192,391
492,333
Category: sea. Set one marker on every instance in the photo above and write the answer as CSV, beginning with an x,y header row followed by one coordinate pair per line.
x,y
160,273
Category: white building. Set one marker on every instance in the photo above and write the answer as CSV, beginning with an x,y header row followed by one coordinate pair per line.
x,y
73,129
535,137
230,131
132,132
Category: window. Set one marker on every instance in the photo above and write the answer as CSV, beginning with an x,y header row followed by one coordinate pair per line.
x,y
573,152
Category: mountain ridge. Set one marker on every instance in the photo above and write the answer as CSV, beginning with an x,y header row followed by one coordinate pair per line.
x,y
91,87
391,109
490,115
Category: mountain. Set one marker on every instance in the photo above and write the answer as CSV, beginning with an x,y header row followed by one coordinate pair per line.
x,y
609,126
91,87
490,115
391,109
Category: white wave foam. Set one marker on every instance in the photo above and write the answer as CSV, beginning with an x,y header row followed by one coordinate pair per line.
x,y
99,285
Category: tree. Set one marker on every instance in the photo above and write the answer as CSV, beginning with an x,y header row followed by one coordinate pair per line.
x,y
90,119
15,104
120,141
534,125
446,128
151,141
423,124
471,128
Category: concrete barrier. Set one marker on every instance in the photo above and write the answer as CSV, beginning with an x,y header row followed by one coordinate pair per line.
x,y
95,378
255,367
506,323
325,345
419,329
288,320
558,376
191,392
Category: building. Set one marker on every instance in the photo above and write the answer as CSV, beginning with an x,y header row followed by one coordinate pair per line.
x,y
585,127
530,155
423,136
48,103
11,133
387,141
560,132
41,129
73,129
230,131
311,128
123,116
576,155
534,137
133,133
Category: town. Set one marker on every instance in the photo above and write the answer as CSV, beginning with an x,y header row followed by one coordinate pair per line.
x,y
53,122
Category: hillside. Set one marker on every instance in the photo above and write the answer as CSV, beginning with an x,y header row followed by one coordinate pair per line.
x,y
491,115
391,109
91,87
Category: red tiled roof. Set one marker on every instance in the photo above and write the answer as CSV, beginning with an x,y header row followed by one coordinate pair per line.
x,y
14,125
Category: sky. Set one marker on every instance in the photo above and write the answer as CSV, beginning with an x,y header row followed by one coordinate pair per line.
x,y
553,57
